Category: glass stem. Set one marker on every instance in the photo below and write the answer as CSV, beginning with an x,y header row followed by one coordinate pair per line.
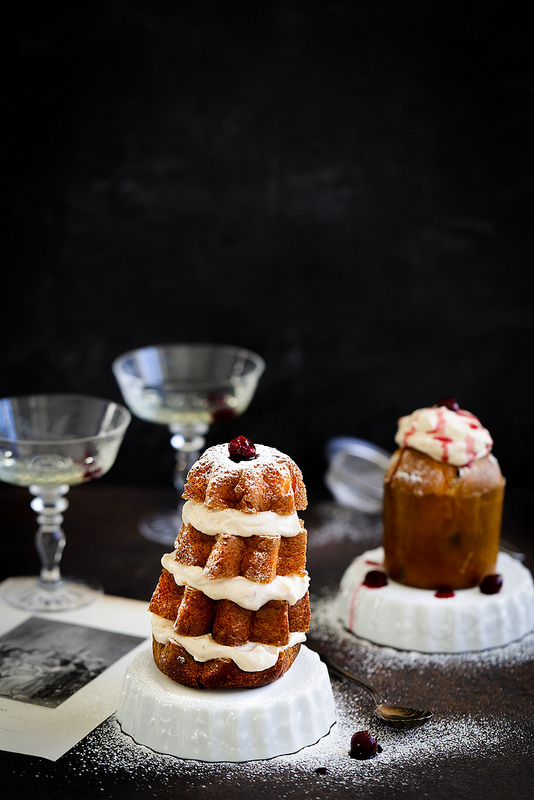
x,y
187,445
49,503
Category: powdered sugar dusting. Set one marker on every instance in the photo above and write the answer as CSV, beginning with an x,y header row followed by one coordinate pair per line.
x,y
481,730
270,481
328,632
218,460
473,732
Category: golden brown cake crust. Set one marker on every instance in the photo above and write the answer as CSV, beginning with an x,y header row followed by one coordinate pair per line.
x,y
441,522
270,482
175,662
194,614
257,558
267,482
418,473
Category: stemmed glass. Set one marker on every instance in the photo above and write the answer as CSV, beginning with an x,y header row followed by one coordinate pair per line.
x,y
186,387
48,443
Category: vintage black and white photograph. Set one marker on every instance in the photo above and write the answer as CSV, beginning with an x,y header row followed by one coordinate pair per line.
x,y
44,662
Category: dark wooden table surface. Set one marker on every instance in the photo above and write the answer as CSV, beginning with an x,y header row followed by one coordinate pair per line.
x,y
480,743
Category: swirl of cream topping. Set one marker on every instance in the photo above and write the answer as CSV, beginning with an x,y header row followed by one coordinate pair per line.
x,y
452,437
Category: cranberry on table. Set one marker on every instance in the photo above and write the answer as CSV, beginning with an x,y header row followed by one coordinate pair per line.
x,y
491,584
242,449
363,745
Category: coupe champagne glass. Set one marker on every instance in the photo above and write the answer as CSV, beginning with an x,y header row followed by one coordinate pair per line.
x,y
48,443
186,387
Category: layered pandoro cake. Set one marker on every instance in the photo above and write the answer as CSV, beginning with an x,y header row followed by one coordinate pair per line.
x,y
232,607
439,583
230,612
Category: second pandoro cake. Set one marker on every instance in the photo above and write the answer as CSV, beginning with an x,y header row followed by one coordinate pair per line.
x,y
443,499
231,607
439,582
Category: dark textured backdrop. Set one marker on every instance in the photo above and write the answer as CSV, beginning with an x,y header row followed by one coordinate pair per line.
x,y
344,187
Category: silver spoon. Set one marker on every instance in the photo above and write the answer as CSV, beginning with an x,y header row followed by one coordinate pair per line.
x,y
398,716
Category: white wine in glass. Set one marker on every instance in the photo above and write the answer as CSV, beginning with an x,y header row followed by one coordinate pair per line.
x,y
48,443
186,387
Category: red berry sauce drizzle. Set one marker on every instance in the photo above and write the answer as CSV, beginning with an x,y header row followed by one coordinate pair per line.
x,y
438,433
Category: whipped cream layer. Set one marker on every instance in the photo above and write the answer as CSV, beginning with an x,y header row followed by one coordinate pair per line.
x,y
247,594
452,437
250,657
239,523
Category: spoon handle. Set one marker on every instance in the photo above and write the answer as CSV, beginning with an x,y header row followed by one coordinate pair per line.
x,y
340,671
512,550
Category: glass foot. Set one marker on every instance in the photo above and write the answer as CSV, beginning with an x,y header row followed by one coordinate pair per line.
x,y
161,527
32,595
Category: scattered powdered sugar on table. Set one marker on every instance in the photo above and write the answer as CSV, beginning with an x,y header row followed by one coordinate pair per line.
x,y
472,732
326,626
458,688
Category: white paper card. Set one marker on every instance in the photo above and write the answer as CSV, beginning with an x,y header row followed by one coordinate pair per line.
x,y
61,673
